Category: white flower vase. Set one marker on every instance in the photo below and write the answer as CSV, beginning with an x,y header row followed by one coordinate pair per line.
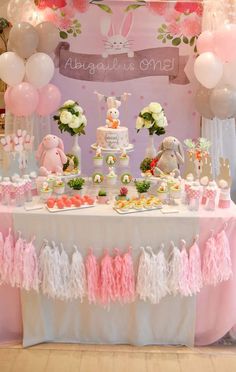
x,y
151,151
76,150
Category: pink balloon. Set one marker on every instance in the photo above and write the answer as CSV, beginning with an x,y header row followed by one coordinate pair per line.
x,y
205,42
49,100
225,42
7,98
24,99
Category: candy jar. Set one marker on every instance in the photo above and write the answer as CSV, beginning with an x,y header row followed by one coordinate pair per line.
x,y
28,188
204,182
194,196
6,187
187,186
224,198
211,194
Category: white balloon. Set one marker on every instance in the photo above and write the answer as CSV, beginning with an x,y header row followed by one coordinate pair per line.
x,y
39,69
12,68
23,11
229,76
208,70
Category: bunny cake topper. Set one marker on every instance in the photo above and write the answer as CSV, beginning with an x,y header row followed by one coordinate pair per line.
x,y
117,42
112,119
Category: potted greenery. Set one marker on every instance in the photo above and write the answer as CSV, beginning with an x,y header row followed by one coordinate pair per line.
x,y
142,187
102,197
76,184
123,194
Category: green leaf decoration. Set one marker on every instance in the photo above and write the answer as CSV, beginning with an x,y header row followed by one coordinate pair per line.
x,y
192,40
70,31
195,49
160,37
161,30
176,41
132,7
164,26
169,37
185,40
105,8
63,35
164,40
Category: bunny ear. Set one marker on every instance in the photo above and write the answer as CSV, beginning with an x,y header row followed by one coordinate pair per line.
x,y
117,103
107,28
110,102
60,144
126,24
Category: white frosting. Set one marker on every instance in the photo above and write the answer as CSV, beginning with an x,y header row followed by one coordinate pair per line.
x,y
109,138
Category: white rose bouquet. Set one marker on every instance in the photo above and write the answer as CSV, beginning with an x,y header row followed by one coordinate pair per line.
x,y
152,118
71,118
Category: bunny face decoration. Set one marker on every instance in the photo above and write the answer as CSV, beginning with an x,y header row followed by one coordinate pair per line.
x,y
51,155
170,157
117,43
113,114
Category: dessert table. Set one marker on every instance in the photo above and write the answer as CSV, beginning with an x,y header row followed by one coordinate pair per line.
x,y
200,319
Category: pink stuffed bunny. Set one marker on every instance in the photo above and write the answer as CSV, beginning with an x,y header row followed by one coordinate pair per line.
x,y
51,155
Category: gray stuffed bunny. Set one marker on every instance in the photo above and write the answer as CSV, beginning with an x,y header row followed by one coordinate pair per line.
x,y
170,157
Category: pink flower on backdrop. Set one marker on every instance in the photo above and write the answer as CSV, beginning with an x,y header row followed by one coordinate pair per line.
x,y
191,26
42,4
174,28
69,11
51,16
172,15
81,5
159,7
65,23
186,7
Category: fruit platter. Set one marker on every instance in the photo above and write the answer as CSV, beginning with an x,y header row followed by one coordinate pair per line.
x,y
134,205
65,203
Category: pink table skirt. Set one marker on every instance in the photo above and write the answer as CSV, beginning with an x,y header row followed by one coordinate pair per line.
x,y
216,306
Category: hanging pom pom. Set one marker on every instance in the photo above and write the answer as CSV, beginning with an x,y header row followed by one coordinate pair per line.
x,y
195,272
107,280
127,278
184,275
30,267
77,284
144,275
1,255
92,272
8,258
64,274
210,270
18,266
175,270
223,256
159,277
117,269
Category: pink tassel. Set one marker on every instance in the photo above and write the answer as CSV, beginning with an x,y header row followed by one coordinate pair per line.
x,y
223,256
1,255
8,258
184,273
210,270
117,268
195,272
92,271
17,274
30,268
127,278
107,280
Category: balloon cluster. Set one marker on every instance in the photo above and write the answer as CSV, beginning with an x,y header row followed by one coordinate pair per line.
x,y
215,70
27,69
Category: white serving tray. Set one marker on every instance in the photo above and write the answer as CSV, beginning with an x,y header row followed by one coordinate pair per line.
x,y
129,211
56,209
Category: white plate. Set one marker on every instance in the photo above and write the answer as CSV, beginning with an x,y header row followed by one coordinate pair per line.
x,y
55,209
113,151
129,211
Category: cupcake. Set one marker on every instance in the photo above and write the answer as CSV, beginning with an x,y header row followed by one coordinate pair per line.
x,y
98,161
45,191
162,192
111,177
59,187
124,159
175,191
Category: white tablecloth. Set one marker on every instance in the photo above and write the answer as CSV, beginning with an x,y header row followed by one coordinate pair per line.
x,y
172,321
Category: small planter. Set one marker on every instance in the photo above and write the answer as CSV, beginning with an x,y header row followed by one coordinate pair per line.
x,y
121,197
102,199
98,162
142,195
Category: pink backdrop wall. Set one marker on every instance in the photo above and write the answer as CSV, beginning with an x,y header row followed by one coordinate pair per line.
x,y
176,99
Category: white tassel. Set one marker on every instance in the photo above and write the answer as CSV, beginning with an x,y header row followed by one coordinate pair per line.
x,y
64,274
174,270
30,268
77,284
47,264
143,277
195,268
160,277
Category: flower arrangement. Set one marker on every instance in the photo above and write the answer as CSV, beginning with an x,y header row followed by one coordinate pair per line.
x,y
76,183
142,186
71,118
198,149
153,119
123,194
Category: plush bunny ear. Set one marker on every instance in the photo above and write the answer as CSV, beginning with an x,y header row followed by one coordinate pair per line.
x,y
116,103
40,151
126,24
107,28
60,144
181,151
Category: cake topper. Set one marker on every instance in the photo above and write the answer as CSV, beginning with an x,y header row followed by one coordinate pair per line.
x,y
112,119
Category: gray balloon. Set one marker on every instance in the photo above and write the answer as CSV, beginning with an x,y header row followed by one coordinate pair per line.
x,y
48,37
223,102
23,39
202,102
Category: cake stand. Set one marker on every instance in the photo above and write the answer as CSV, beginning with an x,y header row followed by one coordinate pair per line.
x,y
128,149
